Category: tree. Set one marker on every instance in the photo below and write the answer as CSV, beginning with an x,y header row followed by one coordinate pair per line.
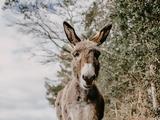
x,y
130,72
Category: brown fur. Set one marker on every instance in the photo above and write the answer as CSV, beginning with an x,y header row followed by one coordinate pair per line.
x,y
74,102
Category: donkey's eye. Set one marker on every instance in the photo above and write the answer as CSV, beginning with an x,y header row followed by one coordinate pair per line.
x,y
97,54
76,54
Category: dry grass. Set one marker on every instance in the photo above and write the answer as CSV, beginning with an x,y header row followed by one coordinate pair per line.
x,y
133,107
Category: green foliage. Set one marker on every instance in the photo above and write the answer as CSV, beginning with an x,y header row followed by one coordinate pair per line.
x,y
131,58
52,91
137,47
65,72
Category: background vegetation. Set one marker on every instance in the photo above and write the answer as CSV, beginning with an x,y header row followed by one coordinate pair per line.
x,y
130,61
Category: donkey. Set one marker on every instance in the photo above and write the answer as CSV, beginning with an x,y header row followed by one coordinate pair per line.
x,y
80,99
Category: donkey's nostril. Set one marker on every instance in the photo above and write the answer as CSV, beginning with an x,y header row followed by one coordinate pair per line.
x,y
93,77
85,77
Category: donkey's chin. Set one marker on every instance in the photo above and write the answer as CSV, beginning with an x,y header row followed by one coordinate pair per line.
x,y
87,87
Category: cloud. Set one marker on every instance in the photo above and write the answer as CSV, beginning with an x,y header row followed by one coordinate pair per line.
x,y
22,91
29,114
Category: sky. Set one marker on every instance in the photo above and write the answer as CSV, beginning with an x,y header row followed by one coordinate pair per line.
x,y
22,91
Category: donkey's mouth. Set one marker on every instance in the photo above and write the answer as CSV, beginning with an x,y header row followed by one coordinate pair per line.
x,y
89,85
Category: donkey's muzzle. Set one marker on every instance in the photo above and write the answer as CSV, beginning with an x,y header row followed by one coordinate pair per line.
x,y
89,79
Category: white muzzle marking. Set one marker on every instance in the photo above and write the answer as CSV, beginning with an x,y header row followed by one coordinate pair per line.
x,y
87,70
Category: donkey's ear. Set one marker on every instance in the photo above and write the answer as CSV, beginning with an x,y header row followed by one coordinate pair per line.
x,y
70,33
100,37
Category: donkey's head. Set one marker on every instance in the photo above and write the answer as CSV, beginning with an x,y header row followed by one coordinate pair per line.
x,y
85,55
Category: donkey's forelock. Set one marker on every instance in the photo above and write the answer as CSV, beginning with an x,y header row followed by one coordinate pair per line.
x,y
85,44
